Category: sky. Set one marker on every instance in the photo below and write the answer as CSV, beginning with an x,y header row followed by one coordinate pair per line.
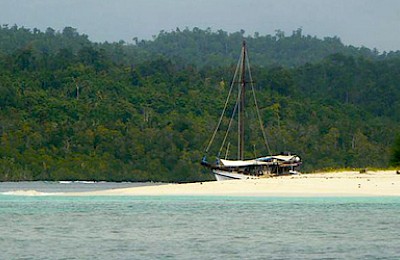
x,y
369,23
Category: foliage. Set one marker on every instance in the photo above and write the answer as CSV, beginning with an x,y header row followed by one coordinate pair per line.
x,y
395,152
72,109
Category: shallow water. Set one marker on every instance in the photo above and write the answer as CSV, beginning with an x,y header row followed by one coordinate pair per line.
x,y
66,186
179,227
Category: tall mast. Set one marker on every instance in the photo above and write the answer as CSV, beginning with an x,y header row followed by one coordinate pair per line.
x,y
242,103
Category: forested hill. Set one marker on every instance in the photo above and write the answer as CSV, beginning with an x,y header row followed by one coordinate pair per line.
x,y
202,48
208,48
72,109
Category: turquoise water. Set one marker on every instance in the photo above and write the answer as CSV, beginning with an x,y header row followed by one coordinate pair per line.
x,y
177,227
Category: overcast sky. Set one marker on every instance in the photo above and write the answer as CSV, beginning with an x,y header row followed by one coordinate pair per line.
x,y
370,23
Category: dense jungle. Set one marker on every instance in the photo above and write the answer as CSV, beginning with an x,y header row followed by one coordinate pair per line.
x,y
73,109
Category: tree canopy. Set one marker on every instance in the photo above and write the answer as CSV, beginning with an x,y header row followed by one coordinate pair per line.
x,y
73,109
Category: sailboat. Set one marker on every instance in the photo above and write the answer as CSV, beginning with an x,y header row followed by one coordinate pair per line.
x,y
241,168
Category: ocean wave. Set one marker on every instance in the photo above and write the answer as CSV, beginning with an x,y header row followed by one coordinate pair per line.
x,y
81,182
29,193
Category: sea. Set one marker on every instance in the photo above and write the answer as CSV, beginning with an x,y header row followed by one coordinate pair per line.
x,y
44,225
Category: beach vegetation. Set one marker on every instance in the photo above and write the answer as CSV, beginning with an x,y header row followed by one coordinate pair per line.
x,y
395,153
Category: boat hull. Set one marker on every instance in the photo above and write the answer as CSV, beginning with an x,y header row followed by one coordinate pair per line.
x,y
222,175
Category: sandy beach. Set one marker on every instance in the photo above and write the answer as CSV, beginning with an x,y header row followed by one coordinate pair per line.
x,y
378,183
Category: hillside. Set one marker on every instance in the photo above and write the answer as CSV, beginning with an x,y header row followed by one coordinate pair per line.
x,y
72,109
198,47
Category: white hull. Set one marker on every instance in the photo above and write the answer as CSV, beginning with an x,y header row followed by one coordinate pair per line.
x,y
221,175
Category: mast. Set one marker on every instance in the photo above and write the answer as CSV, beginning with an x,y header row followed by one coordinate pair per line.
x,y
241,121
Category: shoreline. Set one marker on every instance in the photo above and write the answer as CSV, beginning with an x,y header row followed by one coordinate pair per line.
x,y
330,184
324,184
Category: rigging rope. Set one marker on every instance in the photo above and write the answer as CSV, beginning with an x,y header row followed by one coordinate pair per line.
x,y
223,111
256,104
235,109
230,122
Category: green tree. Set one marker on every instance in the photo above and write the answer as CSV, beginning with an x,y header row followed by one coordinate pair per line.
x,y
395,152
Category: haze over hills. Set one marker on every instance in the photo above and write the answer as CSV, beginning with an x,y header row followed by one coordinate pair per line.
x,y
371,23
200,47
73,109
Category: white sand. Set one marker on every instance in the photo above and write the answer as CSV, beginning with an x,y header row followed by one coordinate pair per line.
x,y
379,183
